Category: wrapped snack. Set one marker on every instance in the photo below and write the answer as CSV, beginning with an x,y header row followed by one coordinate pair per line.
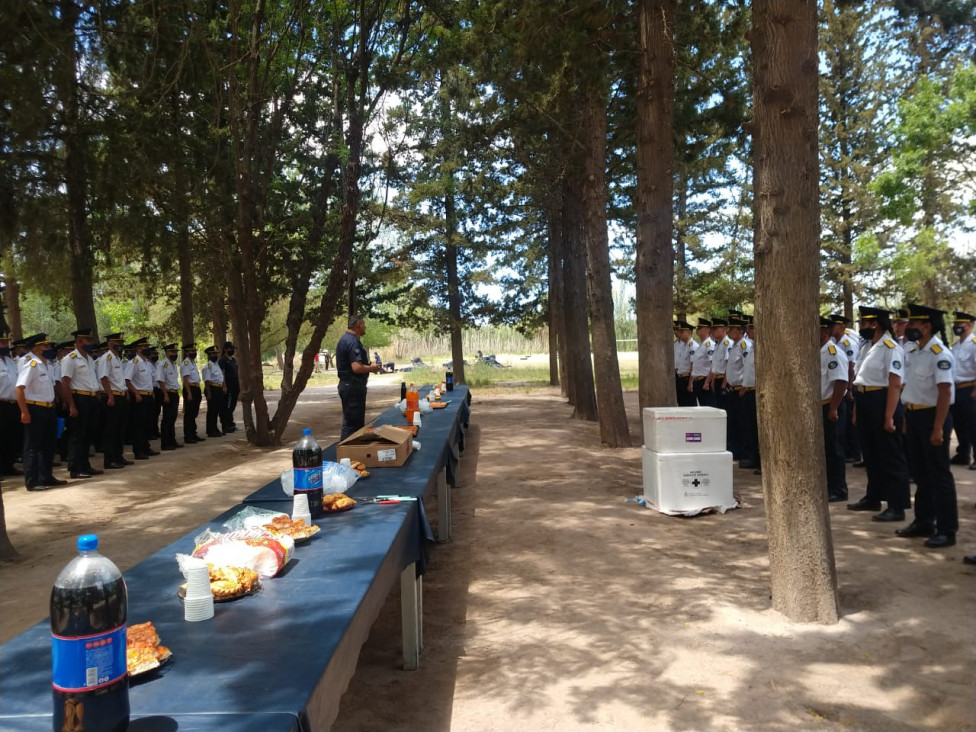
x,y
254,549
251,517
337,477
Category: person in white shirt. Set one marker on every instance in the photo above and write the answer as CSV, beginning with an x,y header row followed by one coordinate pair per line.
x,y
115,410
701,364
850,343
684,351
748,416
964,372
190,378
34,391
168,379
928,394
833,389
214,389
81,389
140,385
733,382
11,431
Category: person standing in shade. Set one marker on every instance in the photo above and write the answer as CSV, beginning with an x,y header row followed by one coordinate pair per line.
x,y
81,387
733,382
851,346
214,390
701,364
228,365
35,399
353,368
156,410
748,414
190,376
168,374
879,414
833,390
715,381
11,430
115,417
140,384
964,372
684,351
928,394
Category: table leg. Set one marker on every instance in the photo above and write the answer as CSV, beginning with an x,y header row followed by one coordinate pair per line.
x,y
443,508
411,616
456,470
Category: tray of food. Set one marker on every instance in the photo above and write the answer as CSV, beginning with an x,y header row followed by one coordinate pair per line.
x,y
229,583
297,529
143,652
337,502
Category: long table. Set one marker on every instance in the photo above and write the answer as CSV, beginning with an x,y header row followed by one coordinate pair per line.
x,y
279,659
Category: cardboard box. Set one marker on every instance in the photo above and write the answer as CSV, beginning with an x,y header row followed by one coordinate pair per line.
x,y
377,447
684,429
688,483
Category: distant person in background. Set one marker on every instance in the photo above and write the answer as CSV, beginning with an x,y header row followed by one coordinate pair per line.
x,y
354,368
232,380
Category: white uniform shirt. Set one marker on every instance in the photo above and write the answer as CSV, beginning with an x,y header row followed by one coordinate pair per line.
x,y
964,355
928,367
878,361
851,346
36,379
683,353
54,368
733,371
142,374
188,367
127,368
833,367
211,372
80,368
169,374
748,362
8,377
110,365
721,356
701,361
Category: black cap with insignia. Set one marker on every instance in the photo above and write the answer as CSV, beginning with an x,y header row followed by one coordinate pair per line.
x,y
114,337
901,316
210,350
64,345
170,347
961,317
719,322
839,319
36,340
870,313
825,322
189,346
678,325
925,313
82,333
704,323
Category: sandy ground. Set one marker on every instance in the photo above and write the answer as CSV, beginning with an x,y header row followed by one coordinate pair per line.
x,y
559,606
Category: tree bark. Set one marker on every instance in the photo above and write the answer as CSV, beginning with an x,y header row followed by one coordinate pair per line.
x,y
787,256
655,219
8,552
555,311
11,298
453,286
579,366
614,431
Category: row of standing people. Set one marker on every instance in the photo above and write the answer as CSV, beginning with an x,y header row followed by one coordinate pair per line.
x,y
107,395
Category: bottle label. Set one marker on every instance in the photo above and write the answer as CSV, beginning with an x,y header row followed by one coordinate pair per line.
x,y
89,662
308,479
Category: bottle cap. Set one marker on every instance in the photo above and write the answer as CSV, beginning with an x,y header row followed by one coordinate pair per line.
x,y
307,431
87,543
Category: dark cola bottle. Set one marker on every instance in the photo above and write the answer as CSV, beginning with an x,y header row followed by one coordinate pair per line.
x,y
449,380
89,603
306,458
403,390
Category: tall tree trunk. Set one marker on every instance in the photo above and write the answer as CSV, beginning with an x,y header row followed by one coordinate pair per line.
x,y
787,255
554,316
219,315
579,366
181,223
453,286
75,173
681,251
8,553
655,219
11,298
614,431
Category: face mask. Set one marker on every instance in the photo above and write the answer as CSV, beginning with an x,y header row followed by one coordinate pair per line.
x,y
230,351
913,334
213,359
866,333
191,355
958,330
172,357
4,351
49,353
88,347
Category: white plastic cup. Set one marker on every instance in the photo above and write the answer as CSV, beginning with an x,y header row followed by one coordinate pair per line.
x,y
198,582
197,609
300,507
417,422
346,461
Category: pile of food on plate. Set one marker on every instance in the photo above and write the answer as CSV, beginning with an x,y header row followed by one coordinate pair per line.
x,y
228,583
297,529
337,502
142,649
254,549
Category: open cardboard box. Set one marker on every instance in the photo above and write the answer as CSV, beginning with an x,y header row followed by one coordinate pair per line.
x,y
377,447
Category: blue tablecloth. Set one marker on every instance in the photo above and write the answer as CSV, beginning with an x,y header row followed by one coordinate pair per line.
x,y
281,657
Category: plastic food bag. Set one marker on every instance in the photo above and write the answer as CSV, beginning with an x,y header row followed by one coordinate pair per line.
x,y
251,518
288,481
337,477
254,549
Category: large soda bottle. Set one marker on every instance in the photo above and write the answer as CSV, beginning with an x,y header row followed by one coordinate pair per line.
x,y
306,458
449,380
413,403
88,611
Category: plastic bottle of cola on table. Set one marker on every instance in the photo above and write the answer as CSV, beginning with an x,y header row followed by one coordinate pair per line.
x,y
306,458
89,604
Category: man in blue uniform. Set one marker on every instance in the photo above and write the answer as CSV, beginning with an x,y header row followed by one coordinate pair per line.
x,y
354,368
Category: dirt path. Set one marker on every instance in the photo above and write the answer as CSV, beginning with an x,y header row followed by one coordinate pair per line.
x,y
559,606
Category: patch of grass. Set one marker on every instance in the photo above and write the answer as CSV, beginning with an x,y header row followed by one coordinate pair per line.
x,y
272,380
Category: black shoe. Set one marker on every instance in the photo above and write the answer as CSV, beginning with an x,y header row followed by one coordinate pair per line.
x,y
94,471
167,447
177,445
890,514
38,487
56,481
973,466
215,434
141,457
959,460
56,465
231,428
748,464
81,475
127,462
864,505
969,559
940,541
836,497
859,464
114,466
915,529
152,453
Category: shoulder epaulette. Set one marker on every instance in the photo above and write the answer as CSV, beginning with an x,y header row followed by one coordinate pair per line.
x,y
109,357
888,342
74,354
846,341
33,364
972,337
831,349
936,348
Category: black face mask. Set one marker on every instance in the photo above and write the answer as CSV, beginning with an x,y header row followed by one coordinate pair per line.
x,y
867,333
230,351
192,355
172,357
88,347
213,359
958,330
49,353
913,334
5,351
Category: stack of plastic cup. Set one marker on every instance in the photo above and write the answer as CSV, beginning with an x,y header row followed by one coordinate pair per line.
x,y
300,509
346,461
198,603
417,422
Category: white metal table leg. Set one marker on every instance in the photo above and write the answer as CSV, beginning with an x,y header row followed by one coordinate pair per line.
x,y
443,508
411,616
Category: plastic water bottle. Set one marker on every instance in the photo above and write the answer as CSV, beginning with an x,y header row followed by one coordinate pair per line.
x,y
306,458
89,603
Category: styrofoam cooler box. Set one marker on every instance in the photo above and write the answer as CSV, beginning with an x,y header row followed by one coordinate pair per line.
x,y
684,429
687,483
